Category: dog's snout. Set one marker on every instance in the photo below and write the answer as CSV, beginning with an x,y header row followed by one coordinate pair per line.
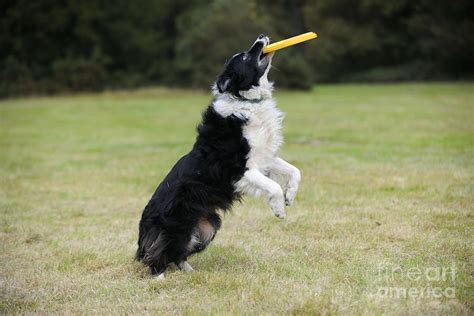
x,y
262,38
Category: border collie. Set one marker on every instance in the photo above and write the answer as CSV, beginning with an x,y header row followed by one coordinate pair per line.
x,y
235,153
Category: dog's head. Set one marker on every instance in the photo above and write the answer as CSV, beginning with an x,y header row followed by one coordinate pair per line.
x,y
246,71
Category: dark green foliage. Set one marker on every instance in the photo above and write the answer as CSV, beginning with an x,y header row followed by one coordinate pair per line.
x,y
53,45
211,34
292,70
377,40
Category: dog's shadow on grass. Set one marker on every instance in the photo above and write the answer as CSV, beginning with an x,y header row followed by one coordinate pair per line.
x,y
215,259
223,259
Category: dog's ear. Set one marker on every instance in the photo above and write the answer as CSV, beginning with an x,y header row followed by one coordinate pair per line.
x,y
223,83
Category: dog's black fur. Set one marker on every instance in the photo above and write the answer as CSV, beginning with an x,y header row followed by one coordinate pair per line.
x,y
201,182
243,70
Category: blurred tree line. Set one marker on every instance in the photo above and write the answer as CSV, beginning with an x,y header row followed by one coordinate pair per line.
x,y
60,45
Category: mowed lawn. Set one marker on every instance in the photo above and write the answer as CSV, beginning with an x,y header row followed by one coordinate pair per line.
x,y
383,221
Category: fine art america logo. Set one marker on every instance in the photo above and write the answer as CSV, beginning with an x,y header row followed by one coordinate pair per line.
x,y
424,282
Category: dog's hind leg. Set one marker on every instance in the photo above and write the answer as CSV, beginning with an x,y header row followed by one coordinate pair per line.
x,y
156,253
157,269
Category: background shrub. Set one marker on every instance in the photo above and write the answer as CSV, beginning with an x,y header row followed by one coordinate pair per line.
x,y
52,45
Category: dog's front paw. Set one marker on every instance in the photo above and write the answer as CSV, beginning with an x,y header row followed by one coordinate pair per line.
x,y
279,213
290,195
292,188
278,206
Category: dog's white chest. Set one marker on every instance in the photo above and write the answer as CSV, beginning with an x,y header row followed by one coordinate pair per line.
x,y
262,128
263,133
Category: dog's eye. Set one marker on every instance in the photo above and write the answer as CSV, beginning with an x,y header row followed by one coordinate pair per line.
x,y
244,57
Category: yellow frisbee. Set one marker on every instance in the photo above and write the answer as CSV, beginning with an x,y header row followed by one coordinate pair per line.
x,y
289,42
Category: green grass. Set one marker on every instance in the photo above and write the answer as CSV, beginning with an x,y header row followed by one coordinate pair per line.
x,y
387,191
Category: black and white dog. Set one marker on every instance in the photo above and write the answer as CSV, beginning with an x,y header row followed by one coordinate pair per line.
x,y
236,152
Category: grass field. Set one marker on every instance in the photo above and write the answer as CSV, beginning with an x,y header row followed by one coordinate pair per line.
x,y
383,221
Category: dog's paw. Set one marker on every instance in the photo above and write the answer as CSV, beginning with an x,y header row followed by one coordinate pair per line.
x,y
276,200
185,266
159,277
290,195
278,207
281,215
292,188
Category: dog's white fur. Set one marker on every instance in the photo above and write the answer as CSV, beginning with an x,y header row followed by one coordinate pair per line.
x,y
263,131
264,135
